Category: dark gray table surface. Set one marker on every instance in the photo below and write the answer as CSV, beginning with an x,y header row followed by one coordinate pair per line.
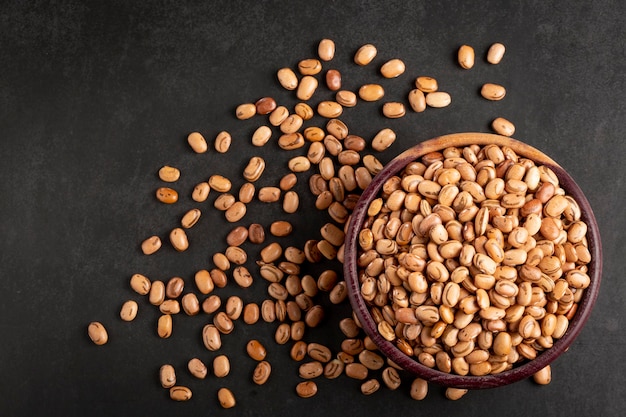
x,y
95,96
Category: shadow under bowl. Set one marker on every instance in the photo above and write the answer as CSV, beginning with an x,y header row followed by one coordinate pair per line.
x,y
410,364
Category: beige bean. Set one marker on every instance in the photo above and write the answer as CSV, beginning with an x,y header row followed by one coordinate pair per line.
x,y
309,66
263,134
492,91
417,100
140,284
503,127
222,142
129,309
543,376
167,376
438,99
306,389
466,56
169,174
310,370
392,68
365,54
287,78
314,316
178,239
306,88
455,393
371,92
495,53
304,111
394,110
299,164
197,142
329,109
211,337
426,84
151,245
197,368
226,398
167,195
314,134
97,333
221,366
383,139
326,49
278,116
346,98
190,304
164,326
180,393
235,212
333,369
291,141
337,129
201,192
190,218
245,111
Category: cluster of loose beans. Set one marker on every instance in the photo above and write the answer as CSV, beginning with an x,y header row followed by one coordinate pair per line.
x,y
473,259
337,166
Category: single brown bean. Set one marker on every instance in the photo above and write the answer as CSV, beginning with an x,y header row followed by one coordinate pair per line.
x,y
306,389
256,350
383,139
221,366
261,372
455,393
291,202
226,398
174,287
253,171
371,92
235,212
310,370
167,195
309,66
169,173
178,239
304,111
333,80
256,233
503,127
329,109
370,386
265,105
356,371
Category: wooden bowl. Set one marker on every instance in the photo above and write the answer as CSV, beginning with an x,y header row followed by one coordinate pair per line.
x,y
410,364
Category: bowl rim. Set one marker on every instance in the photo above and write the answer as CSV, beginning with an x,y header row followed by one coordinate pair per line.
x,y
528,368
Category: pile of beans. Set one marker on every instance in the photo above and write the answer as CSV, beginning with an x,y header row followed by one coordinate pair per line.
x,y
337,165
473,259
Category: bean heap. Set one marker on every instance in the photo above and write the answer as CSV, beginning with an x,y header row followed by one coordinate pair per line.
x,y
461,270
473,259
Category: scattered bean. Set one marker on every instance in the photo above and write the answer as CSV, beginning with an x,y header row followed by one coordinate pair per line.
x,y
151,245
495,53
466,56
226,398
197,142
365,54
97,333
492,92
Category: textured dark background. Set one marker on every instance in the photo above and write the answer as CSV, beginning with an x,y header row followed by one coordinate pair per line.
x,y
95,96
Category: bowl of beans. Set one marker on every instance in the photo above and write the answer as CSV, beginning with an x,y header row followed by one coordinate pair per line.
x,y
473,260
